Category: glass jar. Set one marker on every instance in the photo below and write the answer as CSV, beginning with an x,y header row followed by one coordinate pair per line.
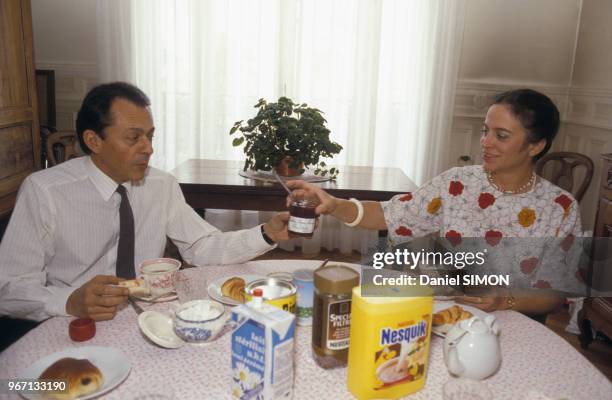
x,y
331,319
302,218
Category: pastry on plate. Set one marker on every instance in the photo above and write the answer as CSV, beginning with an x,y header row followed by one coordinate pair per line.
x,y
82,377
234,288
450,315
137,287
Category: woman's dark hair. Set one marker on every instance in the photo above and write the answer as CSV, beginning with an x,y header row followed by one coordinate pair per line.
x,y
95,111
536,112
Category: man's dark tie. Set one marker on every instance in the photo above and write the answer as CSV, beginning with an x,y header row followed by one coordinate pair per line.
x,y
125,249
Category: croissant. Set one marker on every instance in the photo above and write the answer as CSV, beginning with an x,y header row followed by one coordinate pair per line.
x,y
450,315
234,288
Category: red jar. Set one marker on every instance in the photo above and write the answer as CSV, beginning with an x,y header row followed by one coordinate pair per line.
x,y
82,329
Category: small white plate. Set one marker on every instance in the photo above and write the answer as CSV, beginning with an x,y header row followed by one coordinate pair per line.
x,y
160,329
151,299
214,288
111,362
442,330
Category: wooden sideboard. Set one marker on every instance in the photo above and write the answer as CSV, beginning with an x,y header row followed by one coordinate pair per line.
x,y
596,312
19,132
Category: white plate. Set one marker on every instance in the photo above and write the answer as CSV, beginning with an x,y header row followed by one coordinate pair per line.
x,y
438,306
160,329
214,288
111,362
149,298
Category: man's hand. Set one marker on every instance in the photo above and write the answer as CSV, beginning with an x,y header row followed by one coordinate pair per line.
x,y
276,228
97,299
326,203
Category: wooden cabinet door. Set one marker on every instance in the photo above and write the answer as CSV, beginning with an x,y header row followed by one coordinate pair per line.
x,y
19,131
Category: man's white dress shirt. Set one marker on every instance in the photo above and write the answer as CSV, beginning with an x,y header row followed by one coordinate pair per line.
x,y
65,228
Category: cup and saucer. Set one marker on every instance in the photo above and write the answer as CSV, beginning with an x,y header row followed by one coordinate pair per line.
x,y
158,278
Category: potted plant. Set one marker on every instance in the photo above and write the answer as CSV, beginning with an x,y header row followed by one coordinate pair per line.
x,y
287,137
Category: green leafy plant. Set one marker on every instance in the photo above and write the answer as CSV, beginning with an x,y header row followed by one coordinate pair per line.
x,y
285,131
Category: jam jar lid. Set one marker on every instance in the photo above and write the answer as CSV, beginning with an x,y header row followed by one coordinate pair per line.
x,y
303,203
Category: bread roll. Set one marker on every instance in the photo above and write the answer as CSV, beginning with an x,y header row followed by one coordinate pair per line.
x,y
234,288
136,287
82,376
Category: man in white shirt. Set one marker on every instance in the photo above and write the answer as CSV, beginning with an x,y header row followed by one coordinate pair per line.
x,y
59,255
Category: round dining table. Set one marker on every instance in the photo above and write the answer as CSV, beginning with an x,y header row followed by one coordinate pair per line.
x,y
536,362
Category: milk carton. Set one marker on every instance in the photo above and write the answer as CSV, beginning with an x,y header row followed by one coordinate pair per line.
x,y
262,352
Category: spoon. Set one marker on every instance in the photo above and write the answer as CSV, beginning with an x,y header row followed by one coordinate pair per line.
x,y
278,178
323,263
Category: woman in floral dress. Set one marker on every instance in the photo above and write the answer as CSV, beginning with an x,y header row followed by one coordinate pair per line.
x,y
502,198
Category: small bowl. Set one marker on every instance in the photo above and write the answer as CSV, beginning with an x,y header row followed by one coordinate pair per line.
x,y
200,329
82,329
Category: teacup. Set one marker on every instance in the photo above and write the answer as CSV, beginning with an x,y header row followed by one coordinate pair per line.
x,y
200,321
158,275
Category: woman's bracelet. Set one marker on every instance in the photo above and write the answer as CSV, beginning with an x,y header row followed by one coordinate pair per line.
x,y
359,213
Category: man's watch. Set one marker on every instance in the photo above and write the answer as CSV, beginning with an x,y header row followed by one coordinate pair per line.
x,y
267,238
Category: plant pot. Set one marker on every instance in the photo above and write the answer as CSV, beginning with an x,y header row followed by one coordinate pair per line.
x,y
283,168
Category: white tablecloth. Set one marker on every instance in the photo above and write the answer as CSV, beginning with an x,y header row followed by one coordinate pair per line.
x,y
535,359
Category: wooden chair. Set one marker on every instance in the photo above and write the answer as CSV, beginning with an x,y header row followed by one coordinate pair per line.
x,y
62,146
564,174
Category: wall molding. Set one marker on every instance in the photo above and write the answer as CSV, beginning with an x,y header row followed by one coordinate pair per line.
x,y
473,97
584,106
590,107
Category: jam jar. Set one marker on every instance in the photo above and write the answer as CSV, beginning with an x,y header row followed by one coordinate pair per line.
x,y
302,218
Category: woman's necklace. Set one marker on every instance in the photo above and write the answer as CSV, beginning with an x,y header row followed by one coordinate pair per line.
x,y
524,188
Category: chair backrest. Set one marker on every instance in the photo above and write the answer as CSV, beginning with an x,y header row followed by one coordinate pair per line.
x,y
62,146
559,168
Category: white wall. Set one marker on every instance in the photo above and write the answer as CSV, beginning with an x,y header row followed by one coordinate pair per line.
x,y
588,123
64,31
519,41
65,41
593,66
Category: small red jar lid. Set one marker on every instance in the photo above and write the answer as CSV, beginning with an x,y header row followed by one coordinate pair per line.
x,y
82,329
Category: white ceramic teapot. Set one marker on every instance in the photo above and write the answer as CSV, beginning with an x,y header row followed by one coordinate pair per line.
x,y
471,348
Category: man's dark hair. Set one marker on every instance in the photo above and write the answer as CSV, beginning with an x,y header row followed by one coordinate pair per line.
x,y
536,112
95,111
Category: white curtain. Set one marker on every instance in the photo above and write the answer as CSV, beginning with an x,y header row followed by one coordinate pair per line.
x,y
383,71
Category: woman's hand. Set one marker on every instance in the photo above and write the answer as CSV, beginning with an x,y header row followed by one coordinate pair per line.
x,y
485,303
326,203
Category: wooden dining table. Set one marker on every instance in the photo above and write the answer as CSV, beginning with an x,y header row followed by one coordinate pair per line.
x,y
536,362
218,184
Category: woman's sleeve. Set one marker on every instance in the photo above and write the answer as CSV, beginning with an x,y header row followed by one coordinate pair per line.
x,y
417,213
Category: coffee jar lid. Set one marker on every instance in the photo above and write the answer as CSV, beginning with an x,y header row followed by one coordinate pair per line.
x,y
336,279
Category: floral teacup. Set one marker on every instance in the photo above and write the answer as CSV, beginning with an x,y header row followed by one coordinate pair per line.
x,y
158,274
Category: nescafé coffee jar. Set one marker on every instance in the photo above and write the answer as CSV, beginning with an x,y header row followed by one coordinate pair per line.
x,y
331,319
